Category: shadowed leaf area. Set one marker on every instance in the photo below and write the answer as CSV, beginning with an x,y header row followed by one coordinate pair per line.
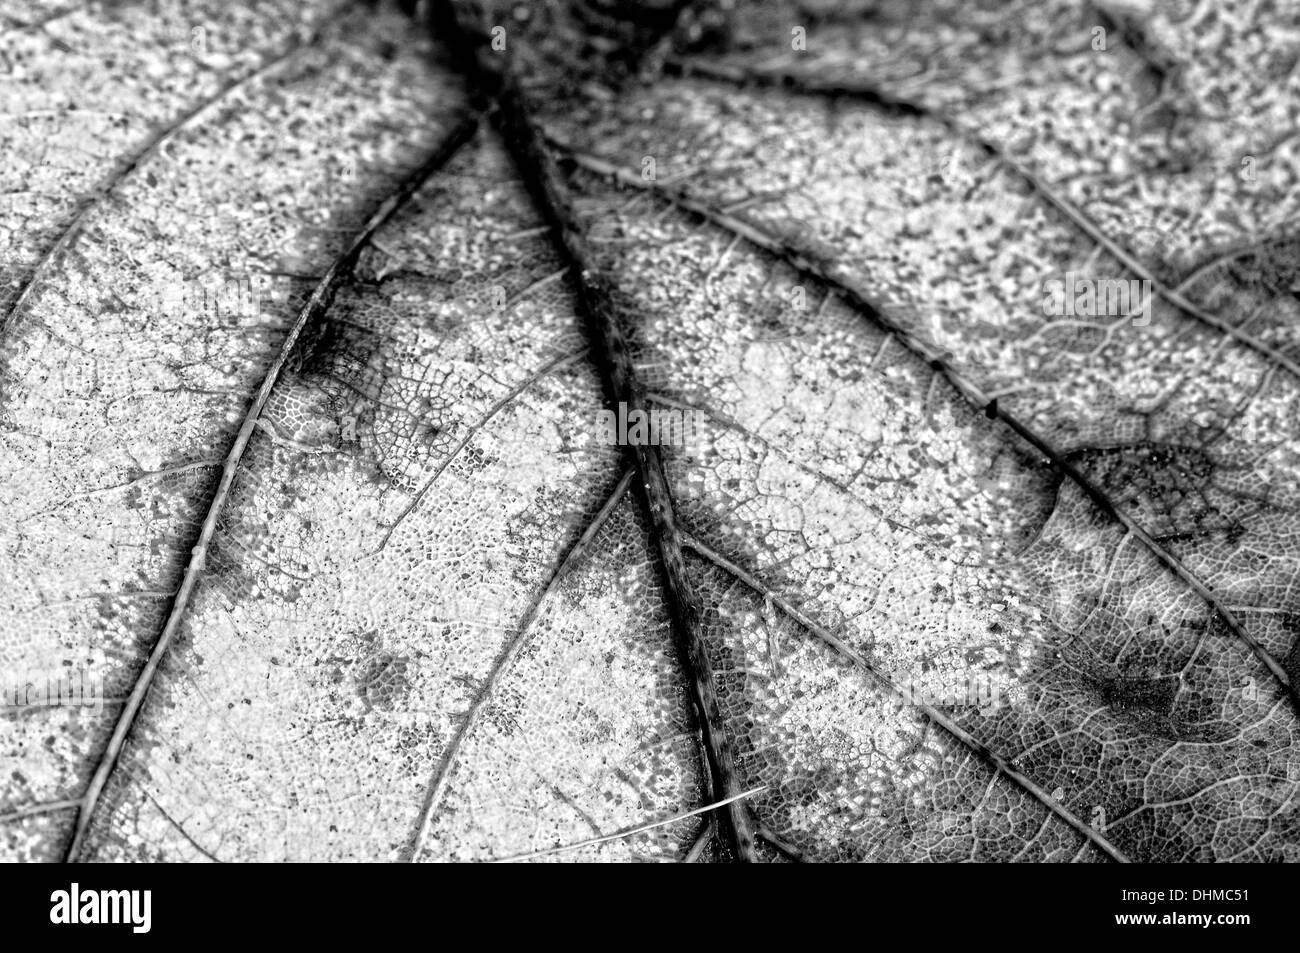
x,y
978,537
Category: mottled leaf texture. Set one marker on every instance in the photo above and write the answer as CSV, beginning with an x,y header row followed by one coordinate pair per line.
x,y
313,315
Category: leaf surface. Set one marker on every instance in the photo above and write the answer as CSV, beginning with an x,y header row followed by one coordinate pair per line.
x,y
932,573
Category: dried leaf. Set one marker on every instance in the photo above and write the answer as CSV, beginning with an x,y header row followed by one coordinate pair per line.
x,y
972,358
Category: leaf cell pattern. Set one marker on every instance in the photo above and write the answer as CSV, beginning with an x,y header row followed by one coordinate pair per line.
x,y
311,317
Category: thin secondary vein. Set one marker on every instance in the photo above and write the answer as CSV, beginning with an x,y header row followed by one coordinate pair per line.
x,y
163,136
322,297
539,169
523,632
969,391
641,829
1001,764
550,367
901,106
